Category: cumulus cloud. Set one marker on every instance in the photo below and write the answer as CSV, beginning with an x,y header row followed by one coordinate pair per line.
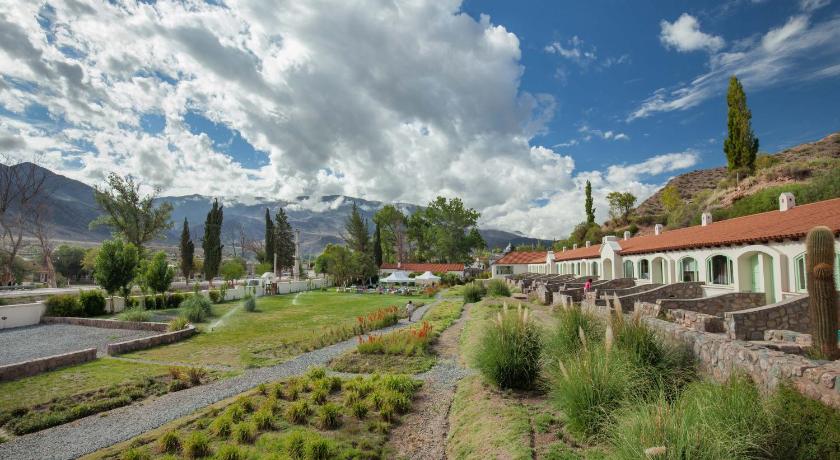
x,y
685,35
574,49
417,100
797,50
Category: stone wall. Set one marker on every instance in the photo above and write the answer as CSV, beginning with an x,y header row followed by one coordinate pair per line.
x,y
750,324
36,366
626,291
674,291
106,323
149,342
717,305
697,321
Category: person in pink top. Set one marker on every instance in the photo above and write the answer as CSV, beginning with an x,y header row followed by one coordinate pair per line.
x,y
587,285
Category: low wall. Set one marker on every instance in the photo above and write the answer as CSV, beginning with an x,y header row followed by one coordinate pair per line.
x,y
717,305
677,290
750,324
627,290
720,356
21,315
36,366
106,323
149,342
697,321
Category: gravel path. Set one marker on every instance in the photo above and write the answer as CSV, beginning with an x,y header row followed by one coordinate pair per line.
x,y
23,343
89,434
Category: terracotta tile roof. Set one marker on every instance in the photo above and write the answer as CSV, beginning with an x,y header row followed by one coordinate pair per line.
x,y
591,252
418,267
766,226
522,257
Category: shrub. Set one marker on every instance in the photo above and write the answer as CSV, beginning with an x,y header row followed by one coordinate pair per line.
x,y
135,314
566,341
318,396
297,412
329,416
473,292
236,412
400,383
246,404
215,295
316,373
221,426
250,303
803,428
497,288
200,301
135,454
229,452
295,444
169,442
178,324
399,402
263,419
359,409
177,385
197,445
64,305
509,351
174,300
193,314
245,432
196,375
318,448
92,302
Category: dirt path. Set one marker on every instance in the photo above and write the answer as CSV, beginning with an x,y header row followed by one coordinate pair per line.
x,y
422,433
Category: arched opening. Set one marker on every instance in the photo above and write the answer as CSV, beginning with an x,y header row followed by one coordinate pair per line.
x,y
628,269
658,270
719,270
756,274
594,269
608,270
644,269
688,270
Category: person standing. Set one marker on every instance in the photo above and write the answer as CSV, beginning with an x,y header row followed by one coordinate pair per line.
x,y
410,307
587,286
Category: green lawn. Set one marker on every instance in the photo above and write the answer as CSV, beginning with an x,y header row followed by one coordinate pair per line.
x,y
282,327
101,373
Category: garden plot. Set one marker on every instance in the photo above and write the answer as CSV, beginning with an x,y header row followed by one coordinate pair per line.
x,y
26,343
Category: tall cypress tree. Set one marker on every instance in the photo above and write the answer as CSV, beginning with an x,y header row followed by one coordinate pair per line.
x,y
269,238
357,232
187,251
590,211
377,247
212,242
284,240
740,144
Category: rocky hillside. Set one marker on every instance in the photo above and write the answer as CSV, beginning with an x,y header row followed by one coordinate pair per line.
x,y
794,165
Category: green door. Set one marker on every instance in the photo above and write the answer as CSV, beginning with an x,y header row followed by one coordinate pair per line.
x,y
756,273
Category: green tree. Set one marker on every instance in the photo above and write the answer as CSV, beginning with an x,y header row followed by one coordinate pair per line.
x,y
263,267
158,274
356,231
130,214
343,264
671,199
187,248
621,205
377,246
392,223
284,241
116,266
418,236
233,269
68,261
590,210
449,226
212,242
89,261
740,144
269,239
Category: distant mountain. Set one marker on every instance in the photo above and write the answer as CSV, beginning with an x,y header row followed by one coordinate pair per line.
x,y
320,220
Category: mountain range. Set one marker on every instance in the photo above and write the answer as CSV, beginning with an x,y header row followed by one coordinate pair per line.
x,y
320,219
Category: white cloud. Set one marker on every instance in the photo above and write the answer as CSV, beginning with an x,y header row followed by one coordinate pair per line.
x,y
574,50
685,35
794,51
811,5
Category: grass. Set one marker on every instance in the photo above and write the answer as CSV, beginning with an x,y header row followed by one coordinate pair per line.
x,y
280,328
509,352
358,363
256,425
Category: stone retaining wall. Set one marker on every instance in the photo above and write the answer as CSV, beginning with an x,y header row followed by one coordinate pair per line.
x,y
750,324
689,290
149,342
38,365
716,305
106,323
695,320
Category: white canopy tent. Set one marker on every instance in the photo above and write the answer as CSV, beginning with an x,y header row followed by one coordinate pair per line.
x,y
397,277
427,278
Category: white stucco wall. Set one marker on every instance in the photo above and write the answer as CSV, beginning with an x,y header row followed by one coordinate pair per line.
x,y
21,315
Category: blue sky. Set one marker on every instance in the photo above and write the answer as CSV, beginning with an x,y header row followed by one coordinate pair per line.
x,y
511,106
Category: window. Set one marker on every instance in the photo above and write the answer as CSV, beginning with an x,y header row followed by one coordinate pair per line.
x,y
628,269
719,270
799,273
594,268
504,270
644,269
688,269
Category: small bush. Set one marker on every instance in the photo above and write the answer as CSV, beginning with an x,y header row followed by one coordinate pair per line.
x,y
497,288
297,412
318,448
197,445
236,412
169,442
92,302
398,401
473,292
174,300
329,416
177,385
246,404
229,452
64,305
318,396
196,308
295,443
177,324
263,419
221,426
135,314
215,295
509,350
193,314
250,303
135,453
244,432
359,409
316,373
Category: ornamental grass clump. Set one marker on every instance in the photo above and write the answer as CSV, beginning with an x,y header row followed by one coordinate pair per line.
x,y
474,291
137,314
229,452
197,445
196,308
297,412
408,342
169,443
329,416
497,288
509,350
244,432
250,303
565,340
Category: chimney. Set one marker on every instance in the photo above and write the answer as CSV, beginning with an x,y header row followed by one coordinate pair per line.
x,y
786,201
550,256
706,218
574,246
399,265
564,248
626,235
588,243
657,229
609,238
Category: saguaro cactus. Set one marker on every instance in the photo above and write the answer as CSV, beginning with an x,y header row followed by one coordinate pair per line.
x,y
822,303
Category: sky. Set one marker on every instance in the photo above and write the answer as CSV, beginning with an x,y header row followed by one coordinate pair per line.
x,y
511,106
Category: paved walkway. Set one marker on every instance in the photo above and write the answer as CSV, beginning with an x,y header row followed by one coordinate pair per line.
x,y
97,431
24,343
